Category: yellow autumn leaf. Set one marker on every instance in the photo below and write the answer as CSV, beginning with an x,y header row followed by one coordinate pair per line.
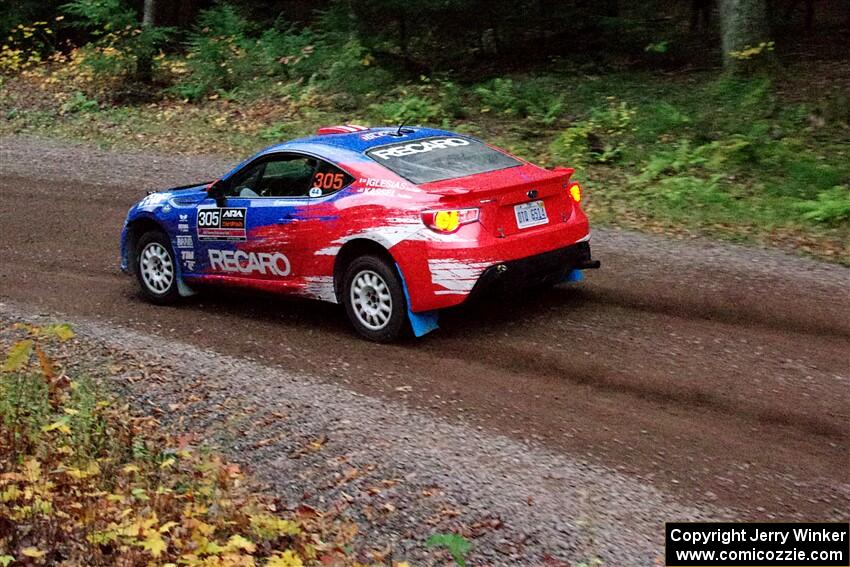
x,y
154,544
93,469
18,356
6,560
127,469
167,463
33,552
12,492
61,426
237,542
166,527
286,559
62,332
32,470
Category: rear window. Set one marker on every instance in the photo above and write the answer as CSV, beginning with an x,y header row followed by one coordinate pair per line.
x,y
440,158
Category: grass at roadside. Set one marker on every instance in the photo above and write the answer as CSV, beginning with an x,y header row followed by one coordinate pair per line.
x,y
82,481
684,155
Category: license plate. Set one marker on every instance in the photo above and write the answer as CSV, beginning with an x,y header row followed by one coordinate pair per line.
x,y
530,214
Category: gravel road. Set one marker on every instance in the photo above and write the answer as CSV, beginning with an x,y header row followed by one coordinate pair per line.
x,y
682,372
401,474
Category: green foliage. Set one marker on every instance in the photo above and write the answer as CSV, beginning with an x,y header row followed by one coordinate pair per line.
x,y
657,118
539,100
599,138
349,68
409,109
26,401
225,52
121,49
100,17
658,47
78,102
277,132
457,545
219,52
24,408
831,207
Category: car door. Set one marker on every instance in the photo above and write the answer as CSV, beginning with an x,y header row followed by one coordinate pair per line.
x,y
260,235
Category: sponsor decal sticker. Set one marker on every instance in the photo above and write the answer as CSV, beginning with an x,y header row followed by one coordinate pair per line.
x,y
373,136
378,183
153,200
239,261
329,181
222,224
184,242
412,148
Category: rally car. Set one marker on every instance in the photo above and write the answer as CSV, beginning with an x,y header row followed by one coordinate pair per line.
x,y
393,223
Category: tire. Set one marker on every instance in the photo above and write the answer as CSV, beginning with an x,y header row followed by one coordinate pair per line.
x,y
374,299
156,268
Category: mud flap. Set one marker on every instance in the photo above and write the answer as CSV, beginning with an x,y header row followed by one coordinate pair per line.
x,y
421,323
573,276
182,288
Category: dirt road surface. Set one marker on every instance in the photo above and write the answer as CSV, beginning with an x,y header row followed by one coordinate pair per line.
x,y
715,373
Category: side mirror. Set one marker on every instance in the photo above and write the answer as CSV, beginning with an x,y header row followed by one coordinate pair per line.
x,y
216,190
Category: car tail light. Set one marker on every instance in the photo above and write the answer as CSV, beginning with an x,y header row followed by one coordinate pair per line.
x,y
448,221
575,192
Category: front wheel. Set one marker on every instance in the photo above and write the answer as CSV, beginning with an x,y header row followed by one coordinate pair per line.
x,y
156,269
374,299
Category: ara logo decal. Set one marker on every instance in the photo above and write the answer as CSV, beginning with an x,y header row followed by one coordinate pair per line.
x,y
239,261
412,148
222,224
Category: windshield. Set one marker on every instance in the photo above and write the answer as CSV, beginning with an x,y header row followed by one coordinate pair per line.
x,y
440,158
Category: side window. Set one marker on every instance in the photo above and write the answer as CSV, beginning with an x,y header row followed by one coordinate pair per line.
x,y
279,176
330,179
244,182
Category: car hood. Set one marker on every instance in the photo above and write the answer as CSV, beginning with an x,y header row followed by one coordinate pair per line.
x,y
184,195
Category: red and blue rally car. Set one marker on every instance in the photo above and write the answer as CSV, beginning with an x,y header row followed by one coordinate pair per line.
x,y
393,223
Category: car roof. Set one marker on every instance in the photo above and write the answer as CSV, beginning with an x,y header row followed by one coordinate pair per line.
x,y
352,145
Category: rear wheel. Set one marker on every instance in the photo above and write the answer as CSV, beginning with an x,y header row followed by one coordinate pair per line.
x,y
156,269
374,299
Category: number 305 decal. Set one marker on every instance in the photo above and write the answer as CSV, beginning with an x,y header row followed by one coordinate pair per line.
x,y
329,180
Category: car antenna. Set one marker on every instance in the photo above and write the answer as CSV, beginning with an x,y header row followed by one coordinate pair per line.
x,y
400,126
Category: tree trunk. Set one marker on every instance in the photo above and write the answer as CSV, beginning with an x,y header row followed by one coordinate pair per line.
x,y
148,15
744,25
144,63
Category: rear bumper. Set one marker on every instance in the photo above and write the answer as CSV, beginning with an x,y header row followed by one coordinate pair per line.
x,y
547,268
441,272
